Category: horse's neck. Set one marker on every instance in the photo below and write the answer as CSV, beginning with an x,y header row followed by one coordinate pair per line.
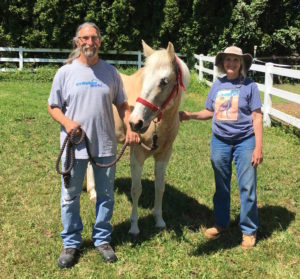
x,y
133,85
170,118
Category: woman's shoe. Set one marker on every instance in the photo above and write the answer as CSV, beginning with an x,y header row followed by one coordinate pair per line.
x,y
249,241
214,232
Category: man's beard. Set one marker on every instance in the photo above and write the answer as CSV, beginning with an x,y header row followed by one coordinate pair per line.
x,y
89,51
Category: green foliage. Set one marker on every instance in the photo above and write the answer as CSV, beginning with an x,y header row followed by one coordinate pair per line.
x,y
43,74
121,21
39,74
172,19
194,26
272,25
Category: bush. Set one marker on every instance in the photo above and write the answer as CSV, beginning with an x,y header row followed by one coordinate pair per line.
x,y
39,74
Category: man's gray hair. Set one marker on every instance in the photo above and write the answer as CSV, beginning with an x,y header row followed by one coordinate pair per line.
x,y
76,52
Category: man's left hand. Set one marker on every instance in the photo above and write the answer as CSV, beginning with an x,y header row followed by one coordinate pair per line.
x,y
132,137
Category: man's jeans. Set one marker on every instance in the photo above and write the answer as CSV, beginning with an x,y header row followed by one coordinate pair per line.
x,y
70,203
222,152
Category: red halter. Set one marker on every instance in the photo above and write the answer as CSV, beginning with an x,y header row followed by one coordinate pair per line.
x,y
172,94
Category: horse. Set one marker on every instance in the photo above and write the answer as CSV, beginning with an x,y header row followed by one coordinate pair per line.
x,y
154,93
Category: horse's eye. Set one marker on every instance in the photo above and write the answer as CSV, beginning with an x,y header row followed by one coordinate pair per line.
x,y
163,82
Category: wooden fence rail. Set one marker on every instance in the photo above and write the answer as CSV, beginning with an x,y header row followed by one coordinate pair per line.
x,y
269,69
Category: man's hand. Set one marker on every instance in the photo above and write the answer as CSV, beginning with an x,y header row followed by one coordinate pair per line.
x,y
132,137
57,115
124,112
70,125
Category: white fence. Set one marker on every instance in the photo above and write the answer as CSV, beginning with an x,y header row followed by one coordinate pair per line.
x,y
21,60
269,69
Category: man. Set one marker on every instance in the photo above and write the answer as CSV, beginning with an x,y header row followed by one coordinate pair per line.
x,y
82,94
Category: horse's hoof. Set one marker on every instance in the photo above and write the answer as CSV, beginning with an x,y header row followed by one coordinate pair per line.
x,y
134,238
93,196
160,228
160,223
134,228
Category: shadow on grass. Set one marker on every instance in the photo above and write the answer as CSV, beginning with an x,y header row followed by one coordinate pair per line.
x,y
271,218
179,211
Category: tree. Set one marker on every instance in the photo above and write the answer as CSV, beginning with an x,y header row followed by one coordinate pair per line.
x,y
193,26
272,25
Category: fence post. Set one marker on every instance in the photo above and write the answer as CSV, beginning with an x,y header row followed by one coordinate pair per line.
x,y
139,59
20,58
267,94
215,73
200,74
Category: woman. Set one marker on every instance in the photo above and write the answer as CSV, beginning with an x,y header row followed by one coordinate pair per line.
x,y
234,105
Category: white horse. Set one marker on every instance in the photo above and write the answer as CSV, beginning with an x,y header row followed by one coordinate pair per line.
x,y
155,93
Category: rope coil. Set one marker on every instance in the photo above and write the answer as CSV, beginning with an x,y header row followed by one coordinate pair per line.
x,y
70,143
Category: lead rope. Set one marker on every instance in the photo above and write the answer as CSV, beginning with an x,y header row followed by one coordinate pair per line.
x,y
70,143
154,137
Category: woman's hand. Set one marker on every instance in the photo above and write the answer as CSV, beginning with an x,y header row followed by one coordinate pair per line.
x,y
257,157
184,115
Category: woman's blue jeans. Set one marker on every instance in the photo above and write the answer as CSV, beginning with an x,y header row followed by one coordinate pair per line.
x,y
70,203
222,152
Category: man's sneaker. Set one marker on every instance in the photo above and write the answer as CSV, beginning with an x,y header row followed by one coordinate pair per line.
x,y
68,257
248,241
107,253
214,232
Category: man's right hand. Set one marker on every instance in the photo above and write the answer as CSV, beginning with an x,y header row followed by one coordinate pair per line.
x,y
70,125
57,114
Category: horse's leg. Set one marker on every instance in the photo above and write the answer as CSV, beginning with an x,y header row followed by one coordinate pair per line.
x,y
136,167
90,183
160,169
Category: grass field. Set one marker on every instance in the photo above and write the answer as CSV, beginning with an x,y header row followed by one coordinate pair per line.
x,y
30,197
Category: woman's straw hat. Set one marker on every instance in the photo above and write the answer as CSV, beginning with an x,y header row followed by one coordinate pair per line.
x,y
247,58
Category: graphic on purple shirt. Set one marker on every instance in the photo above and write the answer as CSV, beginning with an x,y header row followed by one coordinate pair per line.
x,y
226,106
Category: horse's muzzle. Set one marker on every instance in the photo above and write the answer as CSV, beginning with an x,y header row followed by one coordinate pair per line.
x,y
138,126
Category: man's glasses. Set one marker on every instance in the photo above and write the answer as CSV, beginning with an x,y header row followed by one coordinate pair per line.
x,y
86,38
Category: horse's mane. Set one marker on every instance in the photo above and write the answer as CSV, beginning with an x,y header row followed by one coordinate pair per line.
x,y
158,58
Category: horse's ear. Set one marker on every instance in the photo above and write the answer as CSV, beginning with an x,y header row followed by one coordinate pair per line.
x,y
147,49
171,50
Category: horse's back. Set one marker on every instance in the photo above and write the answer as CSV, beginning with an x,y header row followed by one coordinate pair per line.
x,y
132,86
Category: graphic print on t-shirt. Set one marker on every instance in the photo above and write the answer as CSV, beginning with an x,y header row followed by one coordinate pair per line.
x,y
226,105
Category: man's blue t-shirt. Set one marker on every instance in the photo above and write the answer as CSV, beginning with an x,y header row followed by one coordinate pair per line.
x,y
232,102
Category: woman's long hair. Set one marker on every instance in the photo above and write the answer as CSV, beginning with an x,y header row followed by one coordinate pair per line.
x,y
76,51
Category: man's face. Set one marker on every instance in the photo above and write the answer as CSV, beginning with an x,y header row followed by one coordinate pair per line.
x,y
88,41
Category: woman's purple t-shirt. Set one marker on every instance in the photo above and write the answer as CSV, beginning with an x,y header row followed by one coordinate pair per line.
x,y
232,102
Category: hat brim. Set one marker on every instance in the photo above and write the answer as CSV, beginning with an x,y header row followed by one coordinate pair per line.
x,y
247,58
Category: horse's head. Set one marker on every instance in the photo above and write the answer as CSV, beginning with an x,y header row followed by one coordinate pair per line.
x,y
160,77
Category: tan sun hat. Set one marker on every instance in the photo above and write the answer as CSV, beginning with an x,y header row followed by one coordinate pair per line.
x,y
247,58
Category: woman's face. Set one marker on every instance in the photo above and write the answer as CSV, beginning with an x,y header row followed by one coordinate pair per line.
x,y
232,65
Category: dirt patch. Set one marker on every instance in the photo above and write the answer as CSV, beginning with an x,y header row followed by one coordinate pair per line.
x,y
289,108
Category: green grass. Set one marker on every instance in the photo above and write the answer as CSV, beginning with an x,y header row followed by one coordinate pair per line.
x,y
30,196
294,88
